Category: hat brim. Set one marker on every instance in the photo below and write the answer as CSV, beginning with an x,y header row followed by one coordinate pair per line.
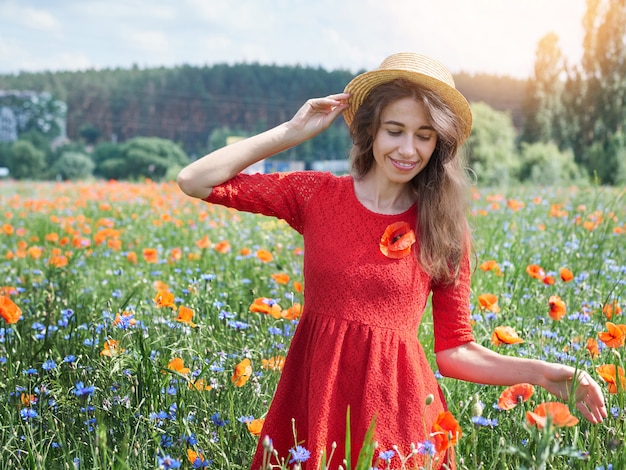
x,y
361,85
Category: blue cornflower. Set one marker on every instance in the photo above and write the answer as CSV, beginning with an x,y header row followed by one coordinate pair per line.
x,y
426,448
387,455
482,421
238,325
28,413
69,359
217,421
299,455
167,462
192,440
49,365
30,371
83,391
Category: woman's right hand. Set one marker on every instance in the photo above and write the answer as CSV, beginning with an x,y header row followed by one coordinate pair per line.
x,y
317,114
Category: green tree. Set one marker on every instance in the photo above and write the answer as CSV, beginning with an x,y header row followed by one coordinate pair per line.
x,y
25,161
73,166
145,157
595,93
491,150
543,105
543,163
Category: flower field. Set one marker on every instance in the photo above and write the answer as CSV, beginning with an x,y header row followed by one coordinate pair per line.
x,y
141,329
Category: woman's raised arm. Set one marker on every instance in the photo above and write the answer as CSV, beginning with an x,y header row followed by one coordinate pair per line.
x,y
198,178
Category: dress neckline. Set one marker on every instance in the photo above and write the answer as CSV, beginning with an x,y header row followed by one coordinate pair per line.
x,y
370,211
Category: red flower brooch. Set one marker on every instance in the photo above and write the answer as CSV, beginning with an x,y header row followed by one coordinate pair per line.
x,y
397,240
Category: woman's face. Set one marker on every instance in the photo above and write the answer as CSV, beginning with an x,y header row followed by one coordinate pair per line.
x,y
405,140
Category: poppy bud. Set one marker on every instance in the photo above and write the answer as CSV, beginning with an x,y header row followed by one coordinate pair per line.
x,y
429,399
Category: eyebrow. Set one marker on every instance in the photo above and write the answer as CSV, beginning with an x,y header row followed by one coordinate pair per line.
x,y
397,123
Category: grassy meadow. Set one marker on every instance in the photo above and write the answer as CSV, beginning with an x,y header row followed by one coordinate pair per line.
x,y
141,329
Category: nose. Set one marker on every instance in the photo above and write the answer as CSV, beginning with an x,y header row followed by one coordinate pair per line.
x,y
406,149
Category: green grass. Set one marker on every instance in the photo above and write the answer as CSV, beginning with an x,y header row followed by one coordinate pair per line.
x,y
64,405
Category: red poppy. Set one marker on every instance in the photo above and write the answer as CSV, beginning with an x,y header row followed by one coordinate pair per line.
x,y
280,278
10,312
505,335
397,240
185,314
566,274
558,309
111,348
164,298
204,242
222,247
255,426
615,335
275,363
445,431
514,395
592,347
489,302
611,309
242,373
558,414
610,374
535,271
264,256
178,365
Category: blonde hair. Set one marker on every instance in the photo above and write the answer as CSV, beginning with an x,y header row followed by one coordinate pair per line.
x,y
441,187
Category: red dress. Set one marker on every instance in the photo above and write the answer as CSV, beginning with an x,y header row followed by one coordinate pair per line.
x,y
356,343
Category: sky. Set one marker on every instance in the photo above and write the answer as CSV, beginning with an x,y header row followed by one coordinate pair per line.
x,y
475,36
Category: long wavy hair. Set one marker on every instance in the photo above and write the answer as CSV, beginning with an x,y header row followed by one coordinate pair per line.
x,y
441,188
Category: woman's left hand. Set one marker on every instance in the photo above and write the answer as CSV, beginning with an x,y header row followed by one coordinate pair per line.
x,y
562,381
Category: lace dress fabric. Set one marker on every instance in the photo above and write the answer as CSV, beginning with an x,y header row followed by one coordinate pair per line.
x,y
356,343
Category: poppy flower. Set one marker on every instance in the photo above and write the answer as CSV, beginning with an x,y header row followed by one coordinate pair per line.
x,y
292,313
204,242
185,314
535,271
200,385
255,426
131,256
244,251
266,306
164,298
275,363
10,312
611,309
8,290
566,274
58,261
111,348
151,255
222,247
592,347
505,335
178,365
491,265
280,278
549,280
558,309
615,335
195,458
445,431
489,302
297,286
264,256
610,374
514,395
397,240
242,373
176,254
557,413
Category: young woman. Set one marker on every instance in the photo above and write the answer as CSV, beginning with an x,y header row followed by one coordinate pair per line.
x,y
377,244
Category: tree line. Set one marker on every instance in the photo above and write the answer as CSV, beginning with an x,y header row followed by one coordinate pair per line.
x,y
563,124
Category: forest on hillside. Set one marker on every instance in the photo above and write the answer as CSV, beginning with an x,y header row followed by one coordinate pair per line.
x,y
186,104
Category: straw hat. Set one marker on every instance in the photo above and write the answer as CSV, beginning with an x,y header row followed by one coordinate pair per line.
x,y
419,69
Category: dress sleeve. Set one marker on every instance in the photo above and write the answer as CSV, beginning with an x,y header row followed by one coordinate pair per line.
x,y
451,311
281,195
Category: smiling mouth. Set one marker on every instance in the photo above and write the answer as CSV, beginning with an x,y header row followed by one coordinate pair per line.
x,y
403,165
